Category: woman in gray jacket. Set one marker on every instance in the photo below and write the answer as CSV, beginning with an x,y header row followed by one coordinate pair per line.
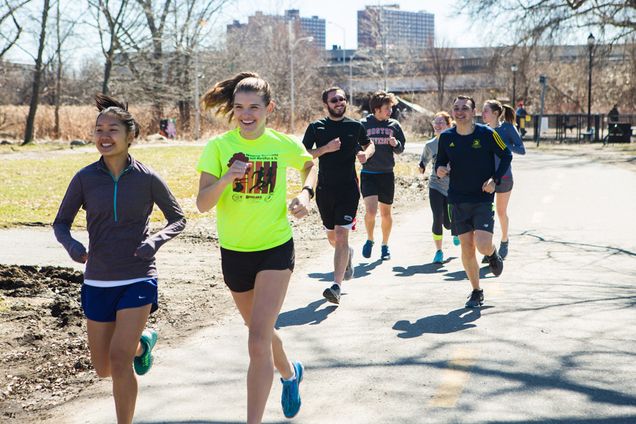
x,y
120,279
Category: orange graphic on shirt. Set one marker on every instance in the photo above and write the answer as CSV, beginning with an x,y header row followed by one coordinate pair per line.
x,y
260,177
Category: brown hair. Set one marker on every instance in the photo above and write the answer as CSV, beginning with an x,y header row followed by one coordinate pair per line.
x,y
465,98
506,111
108,105
381,98
446,117
325,93
221,95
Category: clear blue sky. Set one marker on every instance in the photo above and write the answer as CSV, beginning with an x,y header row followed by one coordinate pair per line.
x,y
339,14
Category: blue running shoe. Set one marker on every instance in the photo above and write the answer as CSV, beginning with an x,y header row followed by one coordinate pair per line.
x,y
503,249
386,255
439,257
290,399
456,241
367,248
143,363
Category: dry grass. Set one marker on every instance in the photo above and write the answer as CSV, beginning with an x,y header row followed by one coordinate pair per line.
x,y
78,122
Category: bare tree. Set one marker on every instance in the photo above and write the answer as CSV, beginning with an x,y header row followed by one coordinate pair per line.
x,y
118,19
9,37
191,22
533,21
441,59
37,75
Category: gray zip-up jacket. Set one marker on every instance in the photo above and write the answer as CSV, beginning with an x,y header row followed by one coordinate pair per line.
x,y
117,216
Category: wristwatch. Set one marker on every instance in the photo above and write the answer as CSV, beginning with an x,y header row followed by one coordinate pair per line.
x,y
310,190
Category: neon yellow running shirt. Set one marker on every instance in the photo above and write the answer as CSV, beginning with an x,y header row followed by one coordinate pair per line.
x,y
252,212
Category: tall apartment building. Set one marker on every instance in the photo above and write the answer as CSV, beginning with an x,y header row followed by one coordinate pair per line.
x,y
387,24
314,26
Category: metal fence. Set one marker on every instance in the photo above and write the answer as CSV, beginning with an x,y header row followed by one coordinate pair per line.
x,y
573,128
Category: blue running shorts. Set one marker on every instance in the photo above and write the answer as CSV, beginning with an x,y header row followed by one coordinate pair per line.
x,y
102,303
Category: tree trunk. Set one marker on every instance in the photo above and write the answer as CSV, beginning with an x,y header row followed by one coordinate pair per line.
x,y
58,76
37,78
108,66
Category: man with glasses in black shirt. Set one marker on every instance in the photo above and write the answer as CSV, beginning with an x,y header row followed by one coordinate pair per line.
x,y
337,140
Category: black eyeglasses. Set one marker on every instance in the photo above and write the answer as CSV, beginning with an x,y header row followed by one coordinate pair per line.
x,y
337,99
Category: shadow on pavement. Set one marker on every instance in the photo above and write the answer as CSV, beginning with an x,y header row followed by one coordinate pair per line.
x,y
310,314
410,271
204,422
484,272
630,419
322,276
457,320
364,269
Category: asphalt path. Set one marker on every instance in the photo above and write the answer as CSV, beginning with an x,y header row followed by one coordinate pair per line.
x,y
554,342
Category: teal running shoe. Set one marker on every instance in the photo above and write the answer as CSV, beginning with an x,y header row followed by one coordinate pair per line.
x,y
439,257
143,363
290,399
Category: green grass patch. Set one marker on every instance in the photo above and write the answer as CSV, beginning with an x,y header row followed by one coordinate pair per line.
x,y
33,187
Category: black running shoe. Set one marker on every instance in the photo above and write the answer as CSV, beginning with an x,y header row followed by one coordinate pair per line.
x,y
476,299
503,249
332,294
484,260
495,263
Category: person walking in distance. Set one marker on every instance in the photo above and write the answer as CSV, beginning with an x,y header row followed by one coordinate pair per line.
x,y
437,187
337,140
467,152
501,118
257,248
377,181
120,279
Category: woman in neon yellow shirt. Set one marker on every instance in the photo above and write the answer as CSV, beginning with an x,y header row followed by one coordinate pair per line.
x,y
243,174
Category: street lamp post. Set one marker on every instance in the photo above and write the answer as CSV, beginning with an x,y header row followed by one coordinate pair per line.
x,y
351,76
291,77
590,45
514,68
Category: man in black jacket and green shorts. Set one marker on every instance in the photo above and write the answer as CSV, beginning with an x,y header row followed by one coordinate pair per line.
x,y
337,140
467,152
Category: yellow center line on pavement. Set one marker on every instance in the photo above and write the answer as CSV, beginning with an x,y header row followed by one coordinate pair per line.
x,y
454,378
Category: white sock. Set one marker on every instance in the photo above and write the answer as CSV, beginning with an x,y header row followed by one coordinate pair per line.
x,y
293,377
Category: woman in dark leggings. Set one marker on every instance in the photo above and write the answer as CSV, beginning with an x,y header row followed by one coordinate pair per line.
x,y
437,187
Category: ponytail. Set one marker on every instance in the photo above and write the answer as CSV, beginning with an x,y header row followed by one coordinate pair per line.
x,y
108,105
509,114
221,95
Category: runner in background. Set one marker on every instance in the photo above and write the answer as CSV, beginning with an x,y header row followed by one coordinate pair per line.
x,y
244,175
437,187
377,181
470,150
337,141
501,118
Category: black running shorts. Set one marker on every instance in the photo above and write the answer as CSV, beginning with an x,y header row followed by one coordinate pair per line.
x,y
381,185
240,268
467,217
337,205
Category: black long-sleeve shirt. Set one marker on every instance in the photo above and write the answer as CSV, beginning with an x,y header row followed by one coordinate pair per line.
x,y
379,132
472,161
